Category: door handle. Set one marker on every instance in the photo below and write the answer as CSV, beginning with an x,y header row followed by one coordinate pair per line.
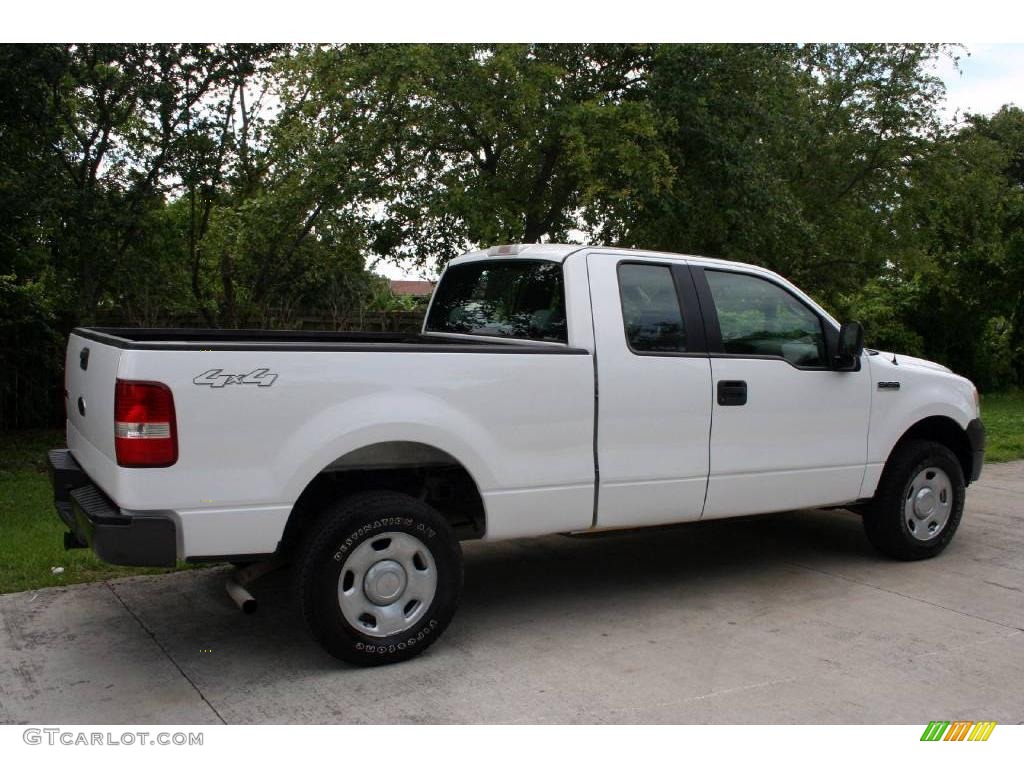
x,y
732,392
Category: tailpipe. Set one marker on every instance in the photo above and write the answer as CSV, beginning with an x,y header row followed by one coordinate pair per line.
x,y
243,597
245,575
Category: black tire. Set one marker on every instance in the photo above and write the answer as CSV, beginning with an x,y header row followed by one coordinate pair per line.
x,y
884,520
321,561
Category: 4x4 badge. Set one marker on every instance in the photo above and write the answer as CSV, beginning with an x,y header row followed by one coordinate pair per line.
x,y
216,378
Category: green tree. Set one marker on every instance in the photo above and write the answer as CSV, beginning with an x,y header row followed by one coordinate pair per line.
x,y
477,144
276,189
788,156
123,114
250,184
963,219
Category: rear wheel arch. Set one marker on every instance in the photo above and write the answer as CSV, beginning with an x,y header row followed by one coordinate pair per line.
x,y
417,469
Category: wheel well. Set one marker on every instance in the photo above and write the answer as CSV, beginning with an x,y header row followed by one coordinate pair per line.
x,y
417,469
943,430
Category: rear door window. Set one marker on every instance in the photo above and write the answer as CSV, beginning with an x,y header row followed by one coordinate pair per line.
x,y
651,311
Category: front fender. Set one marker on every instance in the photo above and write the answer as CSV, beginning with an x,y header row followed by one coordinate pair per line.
x,y
922,393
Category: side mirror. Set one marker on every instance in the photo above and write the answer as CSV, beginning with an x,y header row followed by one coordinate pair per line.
x,y
850,347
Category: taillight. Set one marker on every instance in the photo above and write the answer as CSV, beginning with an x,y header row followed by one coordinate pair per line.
x,y
145,433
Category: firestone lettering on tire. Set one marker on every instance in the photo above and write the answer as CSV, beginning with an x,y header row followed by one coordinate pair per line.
x,y
392,647
376,525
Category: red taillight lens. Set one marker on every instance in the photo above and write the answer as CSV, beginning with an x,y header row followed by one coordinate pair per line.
x,y
145,433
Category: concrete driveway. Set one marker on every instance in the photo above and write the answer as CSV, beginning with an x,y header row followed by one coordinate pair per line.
x,y
780,619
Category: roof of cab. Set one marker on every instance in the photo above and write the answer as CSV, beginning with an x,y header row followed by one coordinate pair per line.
x,y
559,252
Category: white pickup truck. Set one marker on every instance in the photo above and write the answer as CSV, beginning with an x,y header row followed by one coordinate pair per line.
x,y
554,389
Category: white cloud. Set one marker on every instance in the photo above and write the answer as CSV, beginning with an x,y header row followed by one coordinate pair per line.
x,y
403,272
991,76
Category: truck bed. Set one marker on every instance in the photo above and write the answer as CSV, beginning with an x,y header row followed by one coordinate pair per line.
x,y
518,416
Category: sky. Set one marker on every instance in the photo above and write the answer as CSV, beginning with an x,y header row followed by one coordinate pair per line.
x,y
989,76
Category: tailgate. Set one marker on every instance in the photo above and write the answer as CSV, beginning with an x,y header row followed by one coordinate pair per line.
x,y
90,374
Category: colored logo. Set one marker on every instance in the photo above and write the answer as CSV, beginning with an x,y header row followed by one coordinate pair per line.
x,y
958,730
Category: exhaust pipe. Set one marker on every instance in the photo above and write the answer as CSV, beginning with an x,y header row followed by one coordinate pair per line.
x,y
243,576
242,597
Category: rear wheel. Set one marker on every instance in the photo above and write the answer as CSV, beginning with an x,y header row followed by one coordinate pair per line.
x,y
379,578
919,502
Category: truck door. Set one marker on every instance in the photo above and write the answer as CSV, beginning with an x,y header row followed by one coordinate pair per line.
x,y
787,431
654,391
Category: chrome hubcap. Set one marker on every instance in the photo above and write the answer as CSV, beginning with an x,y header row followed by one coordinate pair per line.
x,y
927,503
387,584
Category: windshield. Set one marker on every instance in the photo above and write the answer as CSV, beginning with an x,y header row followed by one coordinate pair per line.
x,y
518,299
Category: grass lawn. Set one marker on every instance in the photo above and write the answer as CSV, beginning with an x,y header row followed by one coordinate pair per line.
x,y
1003,415
32,534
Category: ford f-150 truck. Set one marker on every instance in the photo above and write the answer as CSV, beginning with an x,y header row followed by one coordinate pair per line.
x,y
553,389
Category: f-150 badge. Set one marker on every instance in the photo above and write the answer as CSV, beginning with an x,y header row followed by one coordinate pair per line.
x,y
216,378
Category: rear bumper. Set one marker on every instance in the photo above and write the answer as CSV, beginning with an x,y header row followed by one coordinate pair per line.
x,y
117,537
976,437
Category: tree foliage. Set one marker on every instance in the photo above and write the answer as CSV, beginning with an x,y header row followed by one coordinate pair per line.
x,y
474,144
962,250
247,184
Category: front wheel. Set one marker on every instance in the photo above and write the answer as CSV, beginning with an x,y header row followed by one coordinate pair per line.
x,y
919,502
379,578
